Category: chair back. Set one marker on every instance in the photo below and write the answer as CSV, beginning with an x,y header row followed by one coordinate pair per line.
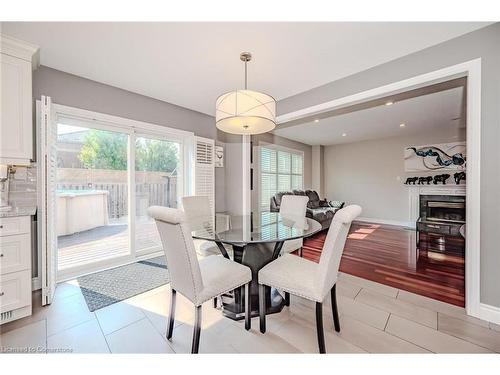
x,y
183,266
333,248
197,210
293,208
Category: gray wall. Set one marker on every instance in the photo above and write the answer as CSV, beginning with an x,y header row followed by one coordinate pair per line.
x,y
484,43
75,91
234,177
71,90
78,92
371,173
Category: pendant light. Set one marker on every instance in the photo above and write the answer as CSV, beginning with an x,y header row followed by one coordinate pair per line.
x,y
245,111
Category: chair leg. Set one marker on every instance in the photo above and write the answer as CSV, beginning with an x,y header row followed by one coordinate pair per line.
x,y
319,327
335,311
171,317
262,307
248,308
215,302
300,252
196,331
287,299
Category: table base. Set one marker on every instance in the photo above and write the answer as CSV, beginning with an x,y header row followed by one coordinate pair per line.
x,y
255,256
236,311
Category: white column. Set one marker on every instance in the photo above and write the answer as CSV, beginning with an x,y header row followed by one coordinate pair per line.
x,y
317,170
246,192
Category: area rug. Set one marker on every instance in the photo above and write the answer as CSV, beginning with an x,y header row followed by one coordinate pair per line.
x,y
107,287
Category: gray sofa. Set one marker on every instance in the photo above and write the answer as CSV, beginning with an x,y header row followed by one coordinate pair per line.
x,y
318,209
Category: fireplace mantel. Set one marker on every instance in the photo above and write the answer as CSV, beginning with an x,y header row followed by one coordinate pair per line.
x,y
415,191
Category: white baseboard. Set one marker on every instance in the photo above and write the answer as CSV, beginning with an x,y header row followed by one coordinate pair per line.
x,y
405,224
489,313
36,283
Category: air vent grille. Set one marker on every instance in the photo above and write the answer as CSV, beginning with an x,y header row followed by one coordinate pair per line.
x,y
204,152
5,316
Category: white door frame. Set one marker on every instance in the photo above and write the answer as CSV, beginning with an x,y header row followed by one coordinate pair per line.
x,y
472,70
133,129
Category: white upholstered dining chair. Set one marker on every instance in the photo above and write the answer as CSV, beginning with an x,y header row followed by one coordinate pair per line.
x,y
293,207
198,211
306,279
197,280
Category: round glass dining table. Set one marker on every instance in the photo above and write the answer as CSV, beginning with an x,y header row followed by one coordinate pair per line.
x,y
256,240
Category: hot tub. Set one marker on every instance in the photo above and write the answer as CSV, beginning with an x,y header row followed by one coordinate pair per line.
x,y
79,210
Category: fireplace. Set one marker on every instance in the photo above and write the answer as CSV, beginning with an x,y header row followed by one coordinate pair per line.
x,y
443,208
441,225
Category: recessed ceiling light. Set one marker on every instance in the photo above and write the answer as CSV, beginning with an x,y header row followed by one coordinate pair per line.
x,y
316,120
390,102
402,125
344,134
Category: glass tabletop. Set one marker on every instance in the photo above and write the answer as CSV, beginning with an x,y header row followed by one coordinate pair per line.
x,y
256,228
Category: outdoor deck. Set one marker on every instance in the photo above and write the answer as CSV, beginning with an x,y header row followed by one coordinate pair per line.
x,y
103,243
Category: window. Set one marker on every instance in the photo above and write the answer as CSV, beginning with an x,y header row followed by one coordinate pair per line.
x,y
280,170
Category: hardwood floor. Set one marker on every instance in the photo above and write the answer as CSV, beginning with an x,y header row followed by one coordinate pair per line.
x,y
387,255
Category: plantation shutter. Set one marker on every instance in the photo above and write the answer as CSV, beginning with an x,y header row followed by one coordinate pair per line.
x,y
47,214
268,168
279,171
297,173
204,174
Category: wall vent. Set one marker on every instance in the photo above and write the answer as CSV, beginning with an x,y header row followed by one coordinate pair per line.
x,y
5,316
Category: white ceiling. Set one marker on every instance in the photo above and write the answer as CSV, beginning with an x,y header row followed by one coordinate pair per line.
x,y
191,64
419,114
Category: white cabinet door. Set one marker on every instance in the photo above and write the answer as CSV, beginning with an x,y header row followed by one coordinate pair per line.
x,y
15,290
16,127
15,253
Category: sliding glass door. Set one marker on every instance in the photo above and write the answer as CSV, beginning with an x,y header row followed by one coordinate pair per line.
x,y
157,181
107,177
92,194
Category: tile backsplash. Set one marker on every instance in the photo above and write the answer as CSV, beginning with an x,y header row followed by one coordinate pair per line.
x,y
22,186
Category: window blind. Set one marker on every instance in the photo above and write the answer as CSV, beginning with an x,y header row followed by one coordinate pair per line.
x,y
279,171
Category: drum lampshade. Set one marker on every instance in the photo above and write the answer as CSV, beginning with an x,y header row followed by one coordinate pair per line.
x,y
245,112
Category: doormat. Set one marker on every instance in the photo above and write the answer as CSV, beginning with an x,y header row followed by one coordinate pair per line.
x,y
107,287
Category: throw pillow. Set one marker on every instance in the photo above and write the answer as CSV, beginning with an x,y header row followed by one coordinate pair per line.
x,y
336,204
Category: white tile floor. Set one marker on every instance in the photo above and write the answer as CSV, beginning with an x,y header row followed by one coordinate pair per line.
x,y
374,319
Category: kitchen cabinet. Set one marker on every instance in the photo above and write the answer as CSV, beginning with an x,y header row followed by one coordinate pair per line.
x,y
15,268
17,59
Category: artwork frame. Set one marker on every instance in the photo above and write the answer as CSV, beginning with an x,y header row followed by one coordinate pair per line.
x,y
219,157
450,156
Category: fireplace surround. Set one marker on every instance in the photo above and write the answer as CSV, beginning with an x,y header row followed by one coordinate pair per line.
x,y
440,226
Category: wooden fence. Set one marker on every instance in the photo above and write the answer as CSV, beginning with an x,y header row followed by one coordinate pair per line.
x,y
147,194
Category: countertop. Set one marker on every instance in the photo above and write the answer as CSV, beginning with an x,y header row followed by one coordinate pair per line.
x,y
18,211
